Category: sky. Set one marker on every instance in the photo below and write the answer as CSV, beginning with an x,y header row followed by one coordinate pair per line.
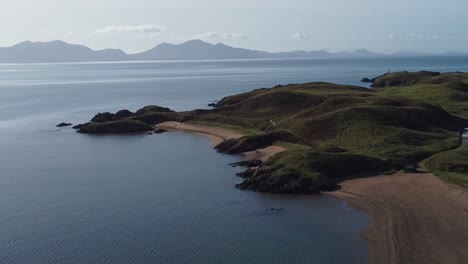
x,y
271,25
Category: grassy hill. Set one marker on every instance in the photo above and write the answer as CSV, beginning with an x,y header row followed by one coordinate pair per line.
x,y
336,130
449,90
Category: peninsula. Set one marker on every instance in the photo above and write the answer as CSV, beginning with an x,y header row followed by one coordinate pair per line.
x,y
351,142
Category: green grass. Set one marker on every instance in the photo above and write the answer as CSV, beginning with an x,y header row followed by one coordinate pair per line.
x,y
450,91
451,165
291,146
453,177
393,124
310,163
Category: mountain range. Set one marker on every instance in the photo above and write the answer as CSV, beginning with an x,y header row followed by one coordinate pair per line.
x,y
60,51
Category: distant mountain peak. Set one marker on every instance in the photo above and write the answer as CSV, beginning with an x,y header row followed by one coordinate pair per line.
x,y
196,42
24,43
195,49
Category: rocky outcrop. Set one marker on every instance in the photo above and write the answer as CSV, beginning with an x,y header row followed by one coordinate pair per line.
x,y
247,163
78,126
122,114
250,143
159,131
115,127
152,109
266,179
103,117
63,124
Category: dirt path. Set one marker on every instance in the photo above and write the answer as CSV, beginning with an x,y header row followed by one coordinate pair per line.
x,y
415,218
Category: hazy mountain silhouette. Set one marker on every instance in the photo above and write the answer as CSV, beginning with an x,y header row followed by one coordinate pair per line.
x,y
196,50
59,51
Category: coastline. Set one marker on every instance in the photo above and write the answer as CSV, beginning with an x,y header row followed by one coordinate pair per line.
x,y
415,217
218,135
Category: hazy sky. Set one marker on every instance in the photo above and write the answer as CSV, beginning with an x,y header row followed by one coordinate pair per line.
x,y
136,25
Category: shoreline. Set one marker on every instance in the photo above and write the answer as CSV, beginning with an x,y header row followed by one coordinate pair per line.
x,y
217,135
414,217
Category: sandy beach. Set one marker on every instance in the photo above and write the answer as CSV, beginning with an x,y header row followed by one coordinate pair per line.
x,y
415,217
219,135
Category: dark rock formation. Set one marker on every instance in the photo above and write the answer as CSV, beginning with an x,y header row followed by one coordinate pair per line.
x,y
159,131
103,117
63,124
247,163
152,109
78,126
153,118
115,127
122,114
250,143
366,80
265,179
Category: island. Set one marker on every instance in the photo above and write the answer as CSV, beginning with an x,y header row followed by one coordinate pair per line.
x,y
351,142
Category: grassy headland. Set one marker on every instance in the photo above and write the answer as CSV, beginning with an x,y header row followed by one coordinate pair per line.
x,y
333,131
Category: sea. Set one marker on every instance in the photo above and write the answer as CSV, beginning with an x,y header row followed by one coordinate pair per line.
x,y
169,198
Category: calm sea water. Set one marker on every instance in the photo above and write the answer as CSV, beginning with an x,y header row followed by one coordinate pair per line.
x,y
70,198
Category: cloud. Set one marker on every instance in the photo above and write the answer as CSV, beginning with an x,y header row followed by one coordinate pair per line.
x,y
214,35
412,36
235,36
141,29
299,36
207,35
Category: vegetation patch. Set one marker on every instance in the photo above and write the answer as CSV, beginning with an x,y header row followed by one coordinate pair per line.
x,y
308,171
250,143
451,165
